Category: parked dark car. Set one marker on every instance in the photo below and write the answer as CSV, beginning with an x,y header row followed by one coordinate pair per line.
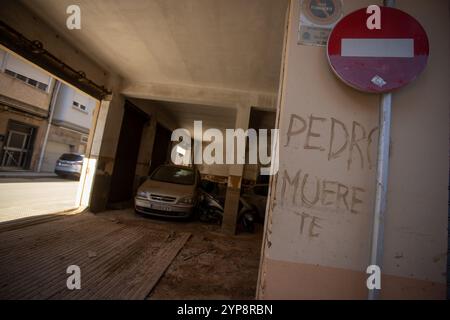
x,y
69,165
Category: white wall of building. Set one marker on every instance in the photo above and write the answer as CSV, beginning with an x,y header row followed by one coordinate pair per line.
x,y
66,111
17,65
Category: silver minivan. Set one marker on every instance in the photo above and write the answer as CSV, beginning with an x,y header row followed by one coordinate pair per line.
x,y
170,191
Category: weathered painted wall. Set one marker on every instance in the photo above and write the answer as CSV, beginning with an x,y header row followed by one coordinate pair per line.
x,y
20,91
317,239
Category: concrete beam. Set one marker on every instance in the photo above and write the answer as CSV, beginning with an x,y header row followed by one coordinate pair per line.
x,y
219,97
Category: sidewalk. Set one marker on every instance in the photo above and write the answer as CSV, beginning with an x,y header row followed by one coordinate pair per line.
x,y
26,174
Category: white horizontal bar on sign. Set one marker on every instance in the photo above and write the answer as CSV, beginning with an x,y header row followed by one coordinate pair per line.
x,y
378,48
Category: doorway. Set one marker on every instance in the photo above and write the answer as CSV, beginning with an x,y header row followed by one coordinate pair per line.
x,y
18,149
161,152
123,176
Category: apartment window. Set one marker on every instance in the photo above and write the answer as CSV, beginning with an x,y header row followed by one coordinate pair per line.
x,y
34,83
80,107
11,73
21,77
84,139
42,86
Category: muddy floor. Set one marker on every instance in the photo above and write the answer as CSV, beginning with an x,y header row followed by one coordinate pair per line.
x,y
210,265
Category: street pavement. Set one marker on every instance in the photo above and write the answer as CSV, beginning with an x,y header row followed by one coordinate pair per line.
x,y
33,196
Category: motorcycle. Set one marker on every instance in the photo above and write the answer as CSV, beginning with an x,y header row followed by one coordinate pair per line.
x,y
211,209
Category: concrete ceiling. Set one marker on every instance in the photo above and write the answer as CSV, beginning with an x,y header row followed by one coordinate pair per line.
x,y
232,44
184,115
212,117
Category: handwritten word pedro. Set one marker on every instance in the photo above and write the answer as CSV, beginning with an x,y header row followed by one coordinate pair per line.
x,y
334,138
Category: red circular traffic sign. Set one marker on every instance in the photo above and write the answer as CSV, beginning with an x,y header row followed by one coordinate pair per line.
x,y
379,60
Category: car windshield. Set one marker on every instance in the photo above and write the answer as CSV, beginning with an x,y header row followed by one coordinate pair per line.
x,y
175,175
71,157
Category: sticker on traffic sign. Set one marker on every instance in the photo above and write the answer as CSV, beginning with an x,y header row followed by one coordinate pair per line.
x,y
317,19
378,60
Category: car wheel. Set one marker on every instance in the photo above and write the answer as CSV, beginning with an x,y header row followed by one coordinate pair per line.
x,y
138,213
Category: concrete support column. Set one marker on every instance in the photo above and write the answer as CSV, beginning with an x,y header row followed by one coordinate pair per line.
x,y
106,138
145,151
235,174
92,153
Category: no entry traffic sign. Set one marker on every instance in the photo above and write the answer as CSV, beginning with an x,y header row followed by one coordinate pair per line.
x,y
378,60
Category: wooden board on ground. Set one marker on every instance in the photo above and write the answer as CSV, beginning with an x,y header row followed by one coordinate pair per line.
x,y
116,261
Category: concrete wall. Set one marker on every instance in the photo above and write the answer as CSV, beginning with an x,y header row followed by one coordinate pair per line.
x,y
318,231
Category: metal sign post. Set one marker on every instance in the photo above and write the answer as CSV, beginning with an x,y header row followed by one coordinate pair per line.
x,y
384,138
376,254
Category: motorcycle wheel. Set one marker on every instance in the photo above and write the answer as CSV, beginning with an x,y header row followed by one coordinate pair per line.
x,y
248,225
211,216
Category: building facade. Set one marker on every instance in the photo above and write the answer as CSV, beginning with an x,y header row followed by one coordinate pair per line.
x,y
25,94
71,121
25,110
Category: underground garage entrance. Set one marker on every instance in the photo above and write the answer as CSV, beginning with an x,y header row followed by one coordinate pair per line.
x,y
213,263
126,254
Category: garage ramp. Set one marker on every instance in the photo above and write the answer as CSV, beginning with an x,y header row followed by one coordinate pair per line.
x,y
116,261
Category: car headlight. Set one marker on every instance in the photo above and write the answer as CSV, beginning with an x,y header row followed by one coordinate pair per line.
x,y
186,200
142,194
